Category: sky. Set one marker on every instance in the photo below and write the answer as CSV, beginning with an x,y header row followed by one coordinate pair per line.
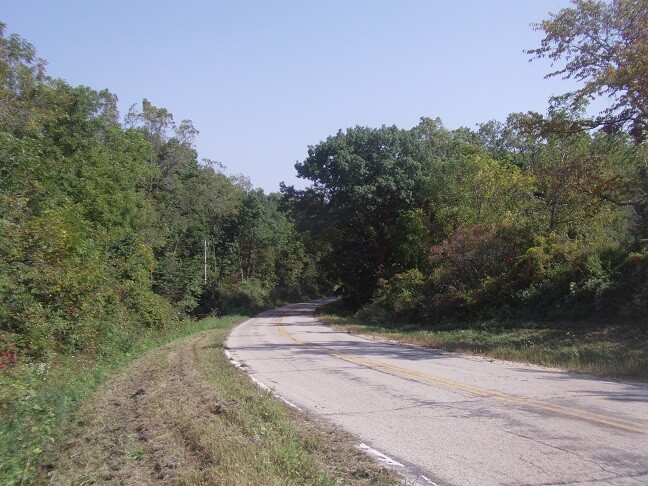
x,y
263,80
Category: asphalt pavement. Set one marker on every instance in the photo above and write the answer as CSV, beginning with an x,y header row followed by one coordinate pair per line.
x,y
443,418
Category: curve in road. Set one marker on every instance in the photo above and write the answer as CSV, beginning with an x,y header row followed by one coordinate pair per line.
x,y
447,418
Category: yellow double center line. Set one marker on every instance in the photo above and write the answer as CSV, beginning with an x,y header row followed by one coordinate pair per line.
x,y
521,402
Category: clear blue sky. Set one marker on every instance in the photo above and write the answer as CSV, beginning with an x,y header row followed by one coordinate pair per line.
x,y
262,80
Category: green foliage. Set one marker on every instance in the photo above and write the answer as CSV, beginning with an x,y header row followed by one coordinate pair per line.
x,y
253,255
631,292
409,240
362,180
559,277
401,297
605,46
37,398
103,226
479,189
252,295
69,201
512,219
474,254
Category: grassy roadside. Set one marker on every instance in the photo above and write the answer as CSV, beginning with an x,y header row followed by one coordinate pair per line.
x,y
37,399
182,414
608,350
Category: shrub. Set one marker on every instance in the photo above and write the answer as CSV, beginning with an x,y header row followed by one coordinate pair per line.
x,y
634,283
402,297
563,277
246,296
472,254
472,270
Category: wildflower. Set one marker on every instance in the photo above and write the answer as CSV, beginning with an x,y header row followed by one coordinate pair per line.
x,y
42,368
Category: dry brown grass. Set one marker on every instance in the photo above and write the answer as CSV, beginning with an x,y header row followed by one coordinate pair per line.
x,y
183,415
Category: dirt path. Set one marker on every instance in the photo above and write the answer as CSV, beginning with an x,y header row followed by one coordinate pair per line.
x,y
183,415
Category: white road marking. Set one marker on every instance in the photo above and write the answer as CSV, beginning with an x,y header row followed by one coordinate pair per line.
x,y
290,404
263,386
258,383
391,462
379,455
231,359
425,478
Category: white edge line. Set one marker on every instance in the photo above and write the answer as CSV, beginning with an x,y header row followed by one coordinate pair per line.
x,y
263,386
290,404
258,383
389,461
379,455
231,358
425,478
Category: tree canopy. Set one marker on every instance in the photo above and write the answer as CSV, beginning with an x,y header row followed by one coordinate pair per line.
x,y
363,180
104,224
604,45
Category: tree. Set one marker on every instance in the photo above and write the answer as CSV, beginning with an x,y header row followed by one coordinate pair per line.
x,y
363,180
604,45
23,86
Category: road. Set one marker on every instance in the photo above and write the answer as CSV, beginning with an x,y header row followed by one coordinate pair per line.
x,y
448,418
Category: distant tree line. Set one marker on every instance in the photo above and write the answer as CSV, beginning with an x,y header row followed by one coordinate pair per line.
x,y
105,225
540,215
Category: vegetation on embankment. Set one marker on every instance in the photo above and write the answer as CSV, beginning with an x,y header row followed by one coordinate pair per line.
x,y
608,349
38,398
110,227
182,414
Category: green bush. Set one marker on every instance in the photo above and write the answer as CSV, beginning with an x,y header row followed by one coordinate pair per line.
x,y
562,277
250,296
634,283
400,297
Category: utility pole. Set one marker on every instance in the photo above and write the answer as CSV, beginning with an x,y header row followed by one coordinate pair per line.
x,y
205,247
214,257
